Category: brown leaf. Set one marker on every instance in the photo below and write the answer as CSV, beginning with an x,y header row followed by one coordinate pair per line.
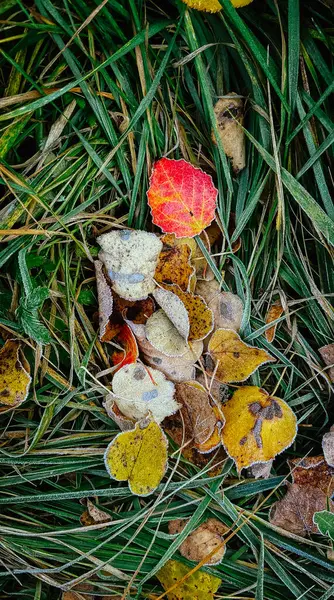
x,y
310,492
261,470
327,354
93,515
105,298
227,308
174,266
229,114
328,447
202,541
136,311
200,416
274,312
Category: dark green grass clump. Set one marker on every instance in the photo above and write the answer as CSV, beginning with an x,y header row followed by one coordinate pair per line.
x,y
92,95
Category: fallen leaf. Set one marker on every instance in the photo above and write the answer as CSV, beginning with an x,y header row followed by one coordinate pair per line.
x,y
213,5
324,520
310,492
136,311
257,426
202,541
105,298
229,113
261,470
274,312
182,198
111,331
210,236
327,354
138,457
93,515
141,390
112,410
197,409
130,352
199,315
164,336
235,360
174,266
130,258
328,447
227,308
198,586
14,375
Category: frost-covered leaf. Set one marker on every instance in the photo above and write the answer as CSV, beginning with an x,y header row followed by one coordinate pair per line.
x,y
235,360
197,586
227,308
93,515
130,258
141,390
193,397
327,354
202,541
105,298
325,522
182,198
229,113
112,410
174,266
328,447
257,426
138,457
27,313
164,336
175,310
14,375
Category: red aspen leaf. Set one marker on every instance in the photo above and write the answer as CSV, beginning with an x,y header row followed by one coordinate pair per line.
x,y
257,426
130,353
235,360
182,198
274,312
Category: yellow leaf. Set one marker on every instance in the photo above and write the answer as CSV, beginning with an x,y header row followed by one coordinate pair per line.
x,y
198,586
139,457
174,266
14,375
257,426
235,360
274,312
214,5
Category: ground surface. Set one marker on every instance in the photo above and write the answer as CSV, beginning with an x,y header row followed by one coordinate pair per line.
x,y
146,75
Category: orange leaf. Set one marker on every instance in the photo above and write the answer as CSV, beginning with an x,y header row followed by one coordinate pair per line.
x,y
257,426
182,198
130,353
174,266
235,360
274,312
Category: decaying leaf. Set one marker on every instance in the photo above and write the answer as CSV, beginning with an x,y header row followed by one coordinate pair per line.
x,y
129,353
275,312
199,315
257,426
310,492
137,312
197,409
138,457
14,375
213,5
229,112
141,390
328,446
261,470
198,586
327,354
202,541
93,515
174,266
130,258
105,298
182,198
235,360
112,410
175,310
164,336
227,308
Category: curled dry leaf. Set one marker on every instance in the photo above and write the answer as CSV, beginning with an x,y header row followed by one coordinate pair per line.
x,y
227,308
235,360
112,410
257,426
182,198
105,298
328,446
200,415
14,376
327,354
174,266
130,258
274,312
229,113
199,315
310,492
213,5
129,354
164,336
197,586
93,515
140,390
138,457
137,312
202,541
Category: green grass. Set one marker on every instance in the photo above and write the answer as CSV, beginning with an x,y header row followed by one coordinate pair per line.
x,y
75,163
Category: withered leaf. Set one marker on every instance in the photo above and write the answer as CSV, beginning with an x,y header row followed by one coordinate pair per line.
x,y
202,541
105,298
229,114
327,354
